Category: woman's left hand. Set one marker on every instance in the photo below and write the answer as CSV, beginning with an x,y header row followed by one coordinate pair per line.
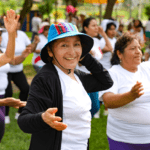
x,y
11,21
12,102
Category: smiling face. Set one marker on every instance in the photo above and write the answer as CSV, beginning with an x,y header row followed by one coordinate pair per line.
x,y
132,55
67,51
92,29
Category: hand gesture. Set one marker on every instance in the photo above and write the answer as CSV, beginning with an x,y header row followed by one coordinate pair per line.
x,y
136,89
100,30
12,102
11,21
27,51
53,121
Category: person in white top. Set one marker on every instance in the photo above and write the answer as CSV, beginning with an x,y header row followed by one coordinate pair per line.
x,y
10,23
16,74
36,60
60,89
91,28
128,123
110,27
36,21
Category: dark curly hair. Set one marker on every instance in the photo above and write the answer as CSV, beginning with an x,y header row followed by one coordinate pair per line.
x,y
120,45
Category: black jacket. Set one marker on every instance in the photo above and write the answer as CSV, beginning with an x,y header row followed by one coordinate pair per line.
x,y
45,92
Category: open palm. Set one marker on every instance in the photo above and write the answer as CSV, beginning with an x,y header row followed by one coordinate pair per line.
x,y
11,21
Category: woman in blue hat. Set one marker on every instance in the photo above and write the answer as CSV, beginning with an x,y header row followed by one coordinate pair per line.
x,y
58,107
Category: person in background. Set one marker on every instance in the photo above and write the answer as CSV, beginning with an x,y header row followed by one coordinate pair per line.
x,y
16,73
128,122
36,59
71,19
81,20
36,21
57,113
91,28
5,58
110,27
120,30
147,29
139,30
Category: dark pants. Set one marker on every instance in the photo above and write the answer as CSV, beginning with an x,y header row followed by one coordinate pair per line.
x,y
21,82
33,35
115,145
2,119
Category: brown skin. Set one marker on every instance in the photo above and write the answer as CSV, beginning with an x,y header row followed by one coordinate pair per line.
x,y
111,33
68,52
130,60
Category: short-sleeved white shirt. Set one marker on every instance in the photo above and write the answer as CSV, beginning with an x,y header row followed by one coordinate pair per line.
x,y
76,113
36,60
131,122
105,61
147,28
36,21
97,48
3,78
21,42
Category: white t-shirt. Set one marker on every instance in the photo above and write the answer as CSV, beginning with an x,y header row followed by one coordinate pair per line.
x,y
97,48
36,21
105,61
36,60
21,42
131,122
76,113
3,78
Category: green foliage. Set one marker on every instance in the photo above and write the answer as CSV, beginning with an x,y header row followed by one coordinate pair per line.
x,y
10,4
46,7
147,11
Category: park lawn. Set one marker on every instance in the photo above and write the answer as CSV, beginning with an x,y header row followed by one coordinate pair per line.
x,y
15,139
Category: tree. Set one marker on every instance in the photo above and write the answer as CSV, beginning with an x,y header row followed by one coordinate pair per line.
x,y
26,9
109,8
46,7
147,11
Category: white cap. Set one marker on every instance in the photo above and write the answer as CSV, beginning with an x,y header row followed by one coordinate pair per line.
x,y
105,22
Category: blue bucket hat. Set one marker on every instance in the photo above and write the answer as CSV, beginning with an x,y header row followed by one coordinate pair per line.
x,y
62,30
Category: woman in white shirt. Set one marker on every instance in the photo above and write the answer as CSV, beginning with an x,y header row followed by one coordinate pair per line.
x,y
128,123
110,27
91,28
10,24
16,71
36,60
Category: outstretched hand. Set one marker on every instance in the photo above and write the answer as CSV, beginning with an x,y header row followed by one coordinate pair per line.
x,y
136,90
53,121
11,21
12,102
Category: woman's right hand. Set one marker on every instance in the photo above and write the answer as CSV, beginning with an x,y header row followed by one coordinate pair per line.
x,y
11,21
53,121
136,90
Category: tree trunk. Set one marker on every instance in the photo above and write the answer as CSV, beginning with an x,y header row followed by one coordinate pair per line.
x,y
109,9
26,9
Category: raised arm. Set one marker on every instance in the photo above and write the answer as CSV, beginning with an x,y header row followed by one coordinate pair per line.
x,y
19,59
10,21
108,47
112,100
99,79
